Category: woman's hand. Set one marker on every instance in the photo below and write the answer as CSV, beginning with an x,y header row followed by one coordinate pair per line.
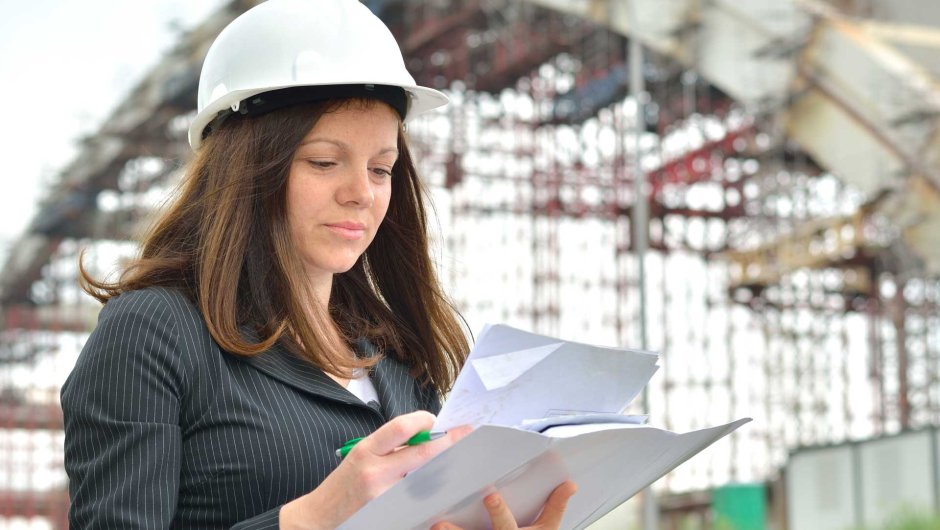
x,y
374,465
549,519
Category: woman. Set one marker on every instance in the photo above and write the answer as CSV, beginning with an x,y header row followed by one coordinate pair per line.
x,y
284,303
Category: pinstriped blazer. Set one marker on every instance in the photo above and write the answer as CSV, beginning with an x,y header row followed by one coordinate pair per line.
x,y
163,429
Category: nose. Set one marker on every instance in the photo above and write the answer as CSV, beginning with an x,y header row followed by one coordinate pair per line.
x,y
357,189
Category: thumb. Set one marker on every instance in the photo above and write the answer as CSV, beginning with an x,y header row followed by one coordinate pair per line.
x,y
555,506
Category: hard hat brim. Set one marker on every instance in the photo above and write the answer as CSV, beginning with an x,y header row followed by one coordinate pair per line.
x,y
421,100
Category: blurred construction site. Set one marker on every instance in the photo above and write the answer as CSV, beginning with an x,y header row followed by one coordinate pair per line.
x,y
785,265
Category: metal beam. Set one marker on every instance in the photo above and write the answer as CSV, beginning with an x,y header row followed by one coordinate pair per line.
x,y
29,504
30,416
860,107
166,92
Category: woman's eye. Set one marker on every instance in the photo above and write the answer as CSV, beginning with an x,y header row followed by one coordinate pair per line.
x,y
382,172
322,164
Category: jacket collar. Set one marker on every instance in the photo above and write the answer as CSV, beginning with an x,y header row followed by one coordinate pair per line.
x,y
393,384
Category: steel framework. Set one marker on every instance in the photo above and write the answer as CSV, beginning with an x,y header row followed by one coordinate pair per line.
x,y
793,268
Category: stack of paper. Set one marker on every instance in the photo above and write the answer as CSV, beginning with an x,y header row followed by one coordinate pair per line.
x,y
545,411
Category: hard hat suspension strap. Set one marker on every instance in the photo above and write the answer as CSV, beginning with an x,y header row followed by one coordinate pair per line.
x,y
266,102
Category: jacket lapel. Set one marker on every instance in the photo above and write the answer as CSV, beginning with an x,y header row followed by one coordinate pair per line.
x,y
395,387
297,373
393,384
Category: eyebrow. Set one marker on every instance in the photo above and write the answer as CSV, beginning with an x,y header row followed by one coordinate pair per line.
x,y
345,146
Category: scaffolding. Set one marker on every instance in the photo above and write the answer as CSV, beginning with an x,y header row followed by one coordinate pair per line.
x,y
792,271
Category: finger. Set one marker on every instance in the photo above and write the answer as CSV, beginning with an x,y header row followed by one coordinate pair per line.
x,y
499,512
387,438
412,457
554,508
459,432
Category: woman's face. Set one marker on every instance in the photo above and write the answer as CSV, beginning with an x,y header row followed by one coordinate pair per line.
x,y
339,186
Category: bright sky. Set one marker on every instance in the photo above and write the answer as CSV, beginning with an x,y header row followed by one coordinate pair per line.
x,y
64,66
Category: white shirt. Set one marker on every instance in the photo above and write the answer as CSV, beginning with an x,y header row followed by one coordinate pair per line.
x,y
362,388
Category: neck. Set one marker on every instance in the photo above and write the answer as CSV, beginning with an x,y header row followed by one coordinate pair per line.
x,y
322,289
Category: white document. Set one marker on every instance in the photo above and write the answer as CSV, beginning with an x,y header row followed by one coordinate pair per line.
x,y
513,384
512,376
609,466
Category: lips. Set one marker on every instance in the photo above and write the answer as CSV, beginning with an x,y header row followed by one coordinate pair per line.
x,y
348,229
348,225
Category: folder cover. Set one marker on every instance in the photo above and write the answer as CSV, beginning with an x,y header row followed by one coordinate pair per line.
x,y
514,380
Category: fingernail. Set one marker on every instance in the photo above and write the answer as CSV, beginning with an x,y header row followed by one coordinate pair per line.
x,y
492,501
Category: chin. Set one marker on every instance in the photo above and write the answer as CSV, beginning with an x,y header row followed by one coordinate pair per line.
x,y
340,268
334,264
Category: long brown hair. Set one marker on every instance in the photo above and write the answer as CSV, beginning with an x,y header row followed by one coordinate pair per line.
x,y
225,243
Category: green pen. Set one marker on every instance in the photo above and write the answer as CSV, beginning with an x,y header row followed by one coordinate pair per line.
x,y
420,438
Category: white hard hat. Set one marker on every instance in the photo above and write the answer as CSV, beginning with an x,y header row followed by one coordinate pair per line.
x,y
289,44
